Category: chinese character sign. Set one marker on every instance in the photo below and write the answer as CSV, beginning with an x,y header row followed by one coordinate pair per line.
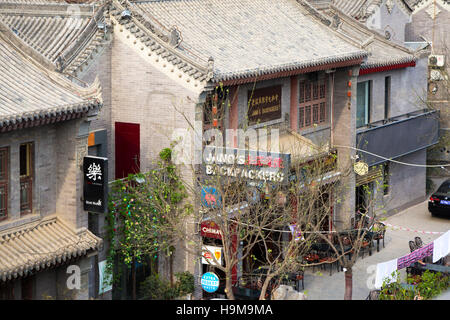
x,y
95,189
264,104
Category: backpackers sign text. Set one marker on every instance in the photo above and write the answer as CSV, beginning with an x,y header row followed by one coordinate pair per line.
x,y
247,165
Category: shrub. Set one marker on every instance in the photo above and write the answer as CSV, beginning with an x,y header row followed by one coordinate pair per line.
x,y
156,288
426,286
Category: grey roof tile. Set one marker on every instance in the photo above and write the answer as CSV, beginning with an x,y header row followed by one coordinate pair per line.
x,y
41,245
62,33
382,51
29,91
248,37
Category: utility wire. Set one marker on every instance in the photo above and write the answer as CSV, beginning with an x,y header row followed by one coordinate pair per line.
x,y
396,161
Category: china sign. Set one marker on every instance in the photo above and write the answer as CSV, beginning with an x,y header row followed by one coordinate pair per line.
x,y
264,104
210,229
95,189
247,165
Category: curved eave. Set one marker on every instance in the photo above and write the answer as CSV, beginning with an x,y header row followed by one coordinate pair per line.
x,y
289,70
381,67
159,43
49,116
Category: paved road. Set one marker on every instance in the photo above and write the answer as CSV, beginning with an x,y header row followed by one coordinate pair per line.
x,y
326,287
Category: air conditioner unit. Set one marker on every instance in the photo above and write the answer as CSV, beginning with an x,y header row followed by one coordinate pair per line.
x,y
436,60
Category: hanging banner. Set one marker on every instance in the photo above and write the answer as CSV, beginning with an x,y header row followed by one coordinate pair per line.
x,y
209,252
95,187
105,280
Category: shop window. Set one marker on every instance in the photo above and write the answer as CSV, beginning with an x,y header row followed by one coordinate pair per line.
x,y
26,177
4,173
312,103
363,96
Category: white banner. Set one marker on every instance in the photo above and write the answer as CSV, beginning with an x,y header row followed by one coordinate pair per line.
x,y
208,252
105,280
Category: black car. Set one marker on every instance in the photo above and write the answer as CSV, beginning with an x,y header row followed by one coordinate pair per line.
x,y
439,202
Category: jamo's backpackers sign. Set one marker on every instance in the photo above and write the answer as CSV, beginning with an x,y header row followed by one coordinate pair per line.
x,y
246,164
264,104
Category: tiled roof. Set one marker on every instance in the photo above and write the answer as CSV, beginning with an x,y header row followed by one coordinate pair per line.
x,y
47,1
360,9
245,38
419,4
31,92
41,245
33,1
363,9
382,51
66,35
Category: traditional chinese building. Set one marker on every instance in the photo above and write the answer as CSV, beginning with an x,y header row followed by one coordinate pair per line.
x,y
387,107
295,84
44,127
327,82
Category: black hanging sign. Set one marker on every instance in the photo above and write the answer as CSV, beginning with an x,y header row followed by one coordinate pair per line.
x,y
95,192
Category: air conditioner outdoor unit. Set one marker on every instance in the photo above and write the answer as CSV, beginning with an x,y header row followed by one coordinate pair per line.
x,y
436,60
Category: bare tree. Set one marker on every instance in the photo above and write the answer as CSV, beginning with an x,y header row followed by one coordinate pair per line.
x,y
269,223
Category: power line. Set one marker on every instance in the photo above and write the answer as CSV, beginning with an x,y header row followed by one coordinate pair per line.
x,y
396,161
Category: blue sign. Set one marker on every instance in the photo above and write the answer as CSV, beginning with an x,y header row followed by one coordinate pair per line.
x,y
210,282
210,197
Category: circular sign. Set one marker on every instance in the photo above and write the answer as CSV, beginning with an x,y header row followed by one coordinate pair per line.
x,y
210,197
361,168
210,282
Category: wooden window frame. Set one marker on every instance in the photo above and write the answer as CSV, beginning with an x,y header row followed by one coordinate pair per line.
x,y
312,107
4,182
26,180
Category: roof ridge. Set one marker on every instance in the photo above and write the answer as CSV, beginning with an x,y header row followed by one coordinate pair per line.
x,y
373,33
42,64
46,9
163,38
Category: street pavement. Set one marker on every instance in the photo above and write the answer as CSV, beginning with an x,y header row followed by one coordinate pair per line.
x,y
319,285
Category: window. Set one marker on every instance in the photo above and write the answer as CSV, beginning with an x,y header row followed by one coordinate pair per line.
x,y
386,178
363,103
26,177
387,97
312,103
4,158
